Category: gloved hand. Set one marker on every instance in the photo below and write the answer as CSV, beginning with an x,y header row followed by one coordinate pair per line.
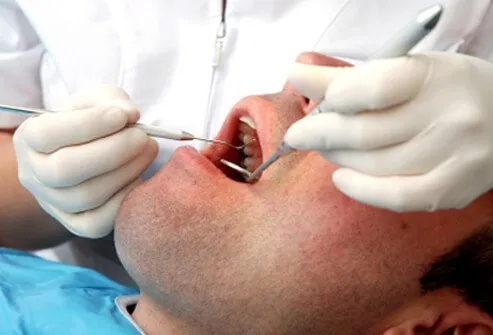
x,y
410,134
81,162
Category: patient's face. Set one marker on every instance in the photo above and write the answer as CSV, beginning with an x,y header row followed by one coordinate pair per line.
x,y
289,254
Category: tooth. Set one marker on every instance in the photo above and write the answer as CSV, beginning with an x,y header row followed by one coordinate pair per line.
x,y
249,121
241,136
248,139
248,150
252,151
250,163
246,129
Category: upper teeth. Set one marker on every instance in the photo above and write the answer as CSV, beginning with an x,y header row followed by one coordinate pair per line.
x,y
249,121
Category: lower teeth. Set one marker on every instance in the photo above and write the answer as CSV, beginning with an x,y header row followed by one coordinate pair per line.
x,y
250,164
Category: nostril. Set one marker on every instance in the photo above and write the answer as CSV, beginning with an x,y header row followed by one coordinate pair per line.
x,y
304,101
307,104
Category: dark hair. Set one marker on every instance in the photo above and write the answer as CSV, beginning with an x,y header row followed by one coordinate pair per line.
x,y
468,268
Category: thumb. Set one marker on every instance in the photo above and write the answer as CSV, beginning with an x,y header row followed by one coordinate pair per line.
x,y
312,80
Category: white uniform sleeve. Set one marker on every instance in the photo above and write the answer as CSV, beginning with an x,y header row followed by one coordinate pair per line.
x,y
20,57
481,45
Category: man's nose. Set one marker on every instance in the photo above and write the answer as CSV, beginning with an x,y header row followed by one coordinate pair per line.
x,y
314,58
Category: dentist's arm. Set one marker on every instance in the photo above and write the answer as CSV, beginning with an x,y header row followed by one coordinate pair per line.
x,y
63,173
410,134
23,224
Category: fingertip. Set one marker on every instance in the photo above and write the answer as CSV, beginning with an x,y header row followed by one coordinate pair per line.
x,y
133,114
308,80
357,186
18,133
377,85
311,133
312,73
342,180
139,138
37,133
153,147
296,135
115,117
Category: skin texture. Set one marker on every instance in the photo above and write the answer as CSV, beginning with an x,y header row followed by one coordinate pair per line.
x,y
287,255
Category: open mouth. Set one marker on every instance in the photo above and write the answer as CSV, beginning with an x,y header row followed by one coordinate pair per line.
x,y
237,164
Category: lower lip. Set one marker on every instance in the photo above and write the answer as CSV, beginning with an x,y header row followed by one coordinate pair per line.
x,y
193,159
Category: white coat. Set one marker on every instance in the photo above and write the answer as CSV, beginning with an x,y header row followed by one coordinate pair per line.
x,y
160,51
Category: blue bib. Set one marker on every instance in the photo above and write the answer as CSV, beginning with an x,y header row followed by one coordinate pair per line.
x,y
40,297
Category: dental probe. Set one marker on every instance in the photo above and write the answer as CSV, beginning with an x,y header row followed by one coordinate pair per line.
x,y
398,46
153,131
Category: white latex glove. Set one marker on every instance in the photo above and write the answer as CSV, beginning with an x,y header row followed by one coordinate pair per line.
x,y
412,133
81,162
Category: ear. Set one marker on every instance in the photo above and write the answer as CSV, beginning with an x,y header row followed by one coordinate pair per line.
x,y
439,313
415,321
313,58
465,320
473,330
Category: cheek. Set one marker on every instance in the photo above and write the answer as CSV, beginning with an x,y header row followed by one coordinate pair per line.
x,y
333,229
352,251
343,257
345,225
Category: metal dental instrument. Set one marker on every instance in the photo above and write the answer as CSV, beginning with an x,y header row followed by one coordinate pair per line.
x,y
398,46
246,174
149,130
179,135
